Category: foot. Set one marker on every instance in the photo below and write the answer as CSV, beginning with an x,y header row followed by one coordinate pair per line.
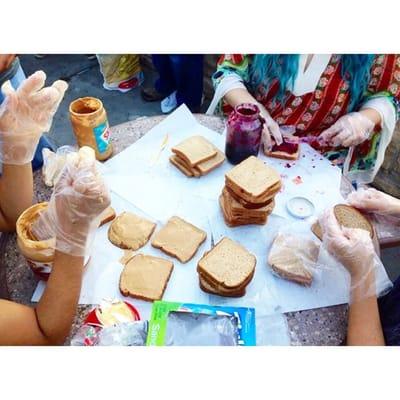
x,y
169,103
151,94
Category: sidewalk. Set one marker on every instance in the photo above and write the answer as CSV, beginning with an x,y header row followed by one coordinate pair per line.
x,y
84,79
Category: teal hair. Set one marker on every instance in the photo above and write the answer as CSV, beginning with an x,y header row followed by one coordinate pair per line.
x,y
266,68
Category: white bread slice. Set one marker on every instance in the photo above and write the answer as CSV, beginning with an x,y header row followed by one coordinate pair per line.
x,y
228,264
145,277
195,150
179,239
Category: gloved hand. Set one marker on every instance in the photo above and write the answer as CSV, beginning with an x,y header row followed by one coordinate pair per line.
x,y
79,198
372,200
349,130
353,248
270,129
25,114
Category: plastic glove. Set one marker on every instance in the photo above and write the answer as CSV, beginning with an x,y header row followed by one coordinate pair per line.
x,y
354,249
79,198
25,114
372,200
270,129
349,130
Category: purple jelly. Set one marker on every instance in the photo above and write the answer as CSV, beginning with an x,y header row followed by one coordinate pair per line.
x,y
243,133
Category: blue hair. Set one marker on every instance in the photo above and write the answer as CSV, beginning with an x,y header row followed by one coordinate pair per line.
x,y
266,68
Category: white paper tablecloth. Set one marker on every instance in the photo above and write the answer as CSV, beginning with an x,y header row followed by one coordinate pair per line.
x,y
143,181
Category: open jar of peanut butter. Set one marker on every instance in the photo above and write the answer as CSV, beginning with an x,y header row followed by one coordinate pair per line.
x,y
90,125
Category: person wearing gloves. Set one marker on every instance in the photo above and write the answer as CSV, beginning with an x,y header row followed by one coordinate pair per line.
x,y
372,321
11,70
24,115
72,217
345,106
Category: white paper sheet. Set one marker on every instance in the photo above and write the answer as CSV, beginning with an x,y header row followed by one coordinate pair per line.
x,y
143,181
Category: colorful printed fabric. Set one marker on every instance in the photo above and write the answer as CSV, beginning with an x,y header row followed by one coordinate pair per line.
x,y
314,112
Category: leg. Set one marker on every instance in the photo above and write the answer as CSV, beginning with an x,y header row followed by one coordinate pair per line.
x,y
165,84
389,310
188,72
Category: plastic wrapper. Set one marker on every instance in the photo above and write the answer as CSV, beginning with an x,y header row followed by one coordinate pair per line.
x,y
75,207
294,257
87,335
192,329
25,114
125,334
54,162
120,71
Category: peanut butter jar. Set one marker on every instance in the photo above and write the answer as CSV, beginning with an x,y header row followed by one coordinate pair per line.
x,y
89,122
39,254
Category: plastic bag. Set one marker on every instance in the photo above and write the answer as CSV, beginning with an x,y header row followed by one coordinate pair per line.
x,y
53,163
294,257
120,71
194,329
125,334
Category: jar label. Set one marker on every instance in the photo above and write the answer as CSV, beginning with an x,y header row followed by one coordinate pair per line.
x,y
102,135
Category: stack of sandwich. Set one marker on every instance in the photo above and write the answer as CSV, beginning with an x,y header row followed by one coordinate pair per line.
x,y
226,269
196,156
249,192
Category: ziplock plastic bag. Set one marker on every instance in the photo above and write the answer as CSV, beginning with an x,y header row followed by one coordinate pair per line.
x,y
120,71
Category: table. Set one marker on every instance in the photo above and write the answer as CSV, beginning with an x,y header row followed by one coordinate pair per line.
x,y
322,326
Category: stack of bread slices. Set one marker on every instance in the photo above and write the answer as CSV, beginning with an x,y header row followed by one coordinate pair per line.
x,y
196,156
249,192
226,269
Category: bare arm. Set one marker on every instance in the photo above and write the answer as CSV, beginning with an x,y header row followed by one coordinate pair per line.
x,y
50,322
364,324
16,194
239,96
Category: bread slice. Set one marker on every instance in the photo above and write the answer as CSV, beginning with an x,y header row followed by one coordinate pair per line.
x,y
247,204
182,166
206,287
206,167
195,150
284,151
291,257
234,221
129,231
179,239
107,215
348,217
145,277
253,181
237,209
227,264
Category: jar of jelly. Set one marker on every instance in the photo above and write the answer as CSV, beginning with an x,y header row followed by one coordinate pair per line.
x,y
243,133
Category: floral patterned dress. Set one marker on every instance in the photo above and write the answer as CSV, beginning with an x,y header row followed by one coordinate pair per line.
x,y
315,111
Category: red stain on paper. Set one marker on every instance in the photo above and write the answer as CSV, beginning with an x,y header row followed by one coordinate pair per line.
x,y
297,180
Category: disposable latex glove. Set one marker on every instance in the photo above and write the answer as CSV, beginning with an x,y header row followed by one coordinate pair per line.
x,y
372,200
79,198
349,130
25,114
270,129
353,248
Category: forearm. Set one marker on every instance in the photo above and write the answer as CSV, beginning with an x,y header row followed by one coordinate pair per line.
x,y
364,325
57,307
373,115
239,96
16,194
